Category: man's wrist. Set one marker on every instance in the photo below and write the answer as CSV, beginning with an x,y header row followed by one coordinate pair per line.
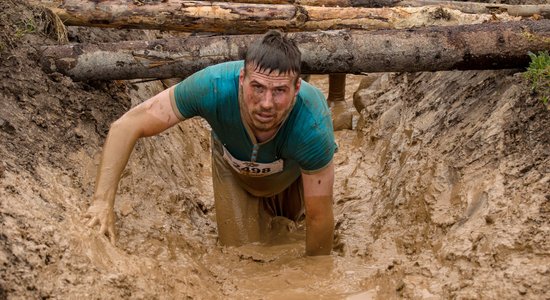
x,y
104,200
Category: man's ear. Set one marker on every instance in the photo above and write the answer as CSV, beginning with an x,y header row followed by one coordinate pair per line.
x,y
241,77
298,85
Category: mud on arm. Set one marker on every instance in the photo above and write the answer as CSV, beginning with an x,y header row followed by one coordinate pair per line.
x,y
149,118
318,191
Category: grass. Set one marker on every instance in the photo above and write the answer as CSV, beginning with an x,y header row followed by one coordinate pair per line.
x,y
538,73
44,22
53,26
26,26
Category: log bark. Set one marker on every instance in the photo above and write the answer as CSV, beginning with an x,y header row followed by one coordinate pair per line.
x,y
465,47
335,3
482,8
329,3
242,18
463,6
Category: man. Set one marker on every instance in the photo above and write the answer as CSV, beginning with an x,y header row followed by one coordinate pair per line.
x,y
272,145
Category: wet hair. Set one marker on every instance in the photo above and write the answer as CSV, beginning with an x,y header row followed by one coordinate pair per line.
x,y
274,52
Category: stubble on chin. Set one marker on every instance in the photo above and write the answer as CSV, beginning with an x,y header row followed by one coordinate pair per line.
x,y
263,127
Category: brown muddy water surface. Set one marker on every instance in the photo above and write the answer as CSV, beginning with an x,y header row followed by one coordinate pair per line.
x,y
442,191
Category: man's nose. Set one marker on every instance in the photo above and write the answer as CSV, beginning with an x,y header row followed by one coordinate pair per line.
x,y
267,101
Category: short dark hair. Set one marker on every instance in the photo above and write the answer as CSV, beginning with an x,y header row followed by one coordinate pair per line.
x,y
274,52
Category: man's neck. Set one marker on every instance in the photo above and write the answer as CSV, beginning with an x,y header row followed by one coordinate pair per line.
x,y
263,136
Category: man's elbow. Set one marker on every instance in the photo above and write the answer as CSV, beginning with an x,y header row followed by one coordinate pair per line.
x,y
124,125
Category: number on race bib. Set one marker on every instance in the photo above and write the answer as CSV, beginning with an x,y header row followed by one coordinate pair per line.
x,y
253,168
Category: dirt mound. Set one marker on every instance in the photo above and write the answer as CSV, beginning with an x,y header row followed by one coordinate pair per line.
x,y
454,169
51,130
441,192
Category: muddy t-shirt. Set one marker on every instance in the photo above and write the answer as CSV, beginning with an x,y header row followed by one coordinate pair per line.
x,y
305,141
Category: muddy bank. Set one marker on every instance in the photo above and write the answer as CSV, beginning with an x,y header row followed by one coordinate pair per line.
x,y
454,170
441,192
51,131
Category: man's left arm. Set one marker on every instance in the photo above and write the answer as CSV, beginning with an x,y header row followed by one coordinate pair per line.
x,y
318,190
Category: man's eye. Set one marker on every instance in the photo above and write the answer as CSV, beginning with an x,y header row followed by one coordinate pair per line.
x,y
258,89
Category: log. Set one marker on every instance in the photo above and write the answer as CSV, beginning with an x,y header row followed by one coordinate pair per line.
x,y
336,3
464,47
463,6
482,8
242,18
333,3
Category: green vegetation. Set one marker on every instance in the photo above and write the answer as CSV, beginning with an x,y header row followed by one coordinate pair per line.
x,y
538,73
25,27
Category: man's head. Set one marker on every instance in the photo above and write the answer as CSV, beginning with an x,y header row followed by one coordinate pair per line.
x,y
270,81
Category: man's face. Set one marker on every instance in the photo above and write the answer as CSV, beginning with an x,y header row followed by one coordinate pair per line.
x,y
267,97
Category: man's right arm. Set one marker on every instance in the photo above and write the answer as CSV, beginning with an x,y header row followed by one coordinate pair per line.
x,y
147,119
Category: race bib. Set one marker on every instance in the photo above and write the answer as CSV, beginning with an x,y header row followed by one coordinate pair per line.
x,y
252,169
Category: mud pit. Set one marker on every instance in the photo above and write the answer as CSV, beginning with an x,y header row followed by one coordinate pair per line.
x,y
442,191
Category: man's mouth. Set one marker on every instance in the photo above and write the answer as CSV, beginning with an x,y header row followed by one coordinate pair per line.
x,y
264,117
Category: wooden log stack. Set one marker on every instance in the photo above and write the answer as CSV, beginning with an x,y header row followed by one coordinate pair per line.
x,y
387,39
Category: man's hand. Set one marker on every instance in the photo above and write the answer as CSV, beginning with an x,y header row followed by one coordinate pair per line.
x,y
102,213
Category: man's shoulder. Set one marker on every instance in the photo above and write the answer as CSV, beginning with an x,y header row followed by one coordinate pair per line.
x,y
214,80
225,69
204,92
311,120
313,104
310,139
309,91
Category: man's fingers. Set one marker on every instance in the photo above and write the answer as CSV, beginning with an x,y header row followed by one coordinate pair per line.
x,y
93,222
103,228
112,235
106,227
108,231
91,212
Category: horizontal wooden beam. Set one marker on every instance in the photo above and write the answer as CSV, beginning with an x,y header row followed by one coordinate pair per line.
x,y
464,47
243,18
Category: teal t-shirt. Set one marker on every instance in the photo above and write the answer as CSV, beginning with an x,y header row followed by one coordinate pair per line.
x,y
306,138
